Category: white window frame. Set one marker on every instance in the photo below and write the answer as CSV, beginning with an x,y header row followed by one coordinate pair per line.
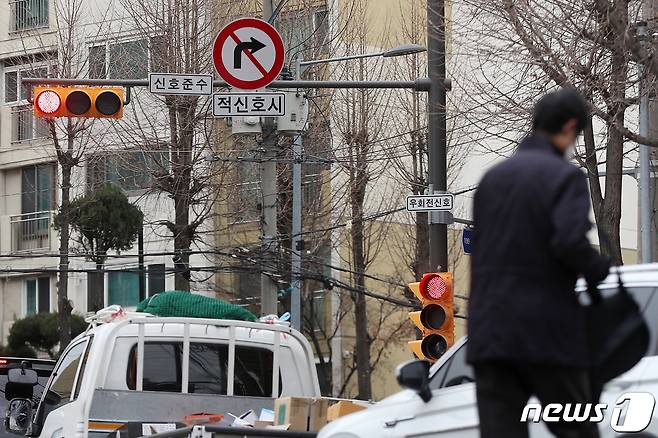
x,y
19,69
108,43
22,104
36,300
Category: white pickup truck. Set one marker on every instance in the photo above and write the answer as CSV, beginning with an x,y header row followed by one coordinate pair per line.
x,y
143,370
448,408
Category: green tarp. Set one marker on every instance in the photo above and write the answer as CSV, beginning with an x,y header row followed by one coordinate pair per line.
x,y
186,304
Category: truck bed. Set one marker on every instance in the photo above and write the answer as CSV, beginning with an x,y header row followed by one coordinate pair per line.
x,y
232,432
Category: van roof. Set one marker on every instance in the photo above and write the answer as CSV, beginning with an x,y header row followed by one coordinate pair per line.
x,y
632,275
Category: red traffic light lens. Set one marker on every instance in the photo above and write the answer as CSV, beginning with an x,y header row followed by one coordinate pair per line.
x,y
434,346
433,286
433,316
48,102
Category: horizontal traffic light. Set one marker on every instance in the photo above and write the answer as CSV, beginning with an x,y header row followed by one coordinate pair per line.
x,y
436,319
87,102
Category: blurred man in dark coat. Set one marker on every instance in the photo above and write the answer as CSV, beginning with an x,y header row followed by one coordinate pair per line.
x,y
525,325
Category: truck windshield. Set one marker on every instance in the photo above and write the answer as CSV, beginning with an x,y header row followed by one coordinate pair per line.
x,y
208,369
43,373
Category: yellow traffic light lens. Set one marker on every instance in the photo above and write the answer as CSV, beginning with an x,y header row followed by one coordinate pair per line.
x,y
78,102
433,286
48,102
433,316
434,346
108,103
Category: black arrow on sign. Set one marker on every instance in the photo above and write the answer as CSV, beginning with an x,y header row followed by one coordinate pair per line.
x,y
253,46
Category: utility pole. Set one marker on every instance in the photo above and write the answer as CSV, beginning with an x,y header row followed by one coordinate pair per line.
x,y
438,178
296,241
645,159
268,289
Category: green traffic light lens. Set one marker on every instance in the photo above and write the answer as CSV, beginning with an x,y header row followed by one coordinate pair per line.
x,y
78,102
108,103
433,316
434,346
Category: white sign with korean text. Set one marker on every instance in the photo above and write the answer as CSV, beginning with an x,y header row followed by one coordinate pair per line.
x,y
248,104
169,83
442,202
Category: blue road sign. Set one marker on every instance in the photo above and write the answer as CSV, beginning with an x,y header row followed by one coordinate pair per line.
x,y
467,234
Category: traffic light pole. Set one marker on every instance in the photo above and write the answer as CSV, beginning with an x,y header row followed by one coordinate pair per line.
x,y
438,179
269,190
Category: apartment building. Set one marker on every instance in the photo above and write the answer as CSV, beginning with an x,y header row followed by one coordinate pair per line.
x,y
30,177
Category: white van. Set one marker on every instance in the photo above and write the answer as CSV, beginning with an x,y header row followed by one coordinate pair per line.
x,y
143,370
450,410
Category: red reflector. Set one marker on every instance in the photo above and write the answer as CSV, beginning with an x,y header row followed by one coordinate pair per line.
x,y
48,102
433,287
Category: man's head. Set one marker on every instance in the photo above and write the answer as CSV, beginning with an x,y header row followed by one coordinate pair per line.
x,y
562,116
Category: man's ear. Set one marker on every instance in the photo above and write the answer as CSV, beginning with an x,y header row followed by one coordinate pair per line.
x,y
571,125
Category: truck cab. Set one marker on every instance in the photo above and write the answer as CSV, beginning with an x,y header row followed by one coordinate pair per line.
x,y
448,408
151,370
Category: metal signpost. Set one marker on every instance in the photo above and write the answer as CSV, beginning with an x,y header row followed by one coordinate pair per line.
x,y
248,54
175,84
438,202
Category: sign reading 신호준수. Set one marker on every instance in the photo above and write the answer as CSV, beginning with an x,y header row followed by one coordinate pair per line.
x,y
631,413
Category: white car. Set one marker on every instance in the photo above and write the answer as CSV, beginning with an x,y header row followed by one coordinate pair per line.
x,y
442,403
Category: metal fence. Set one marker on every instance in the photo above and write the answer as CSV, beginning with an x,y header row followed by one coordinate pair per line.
x,y
28,14
31,231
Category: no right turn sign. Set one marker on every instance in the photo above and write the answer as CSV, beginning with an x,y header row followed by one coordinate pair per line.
x,y
248,53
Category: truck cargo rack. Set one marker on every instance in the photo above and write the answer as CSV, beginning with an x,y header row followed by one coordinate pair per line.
x,y
231,432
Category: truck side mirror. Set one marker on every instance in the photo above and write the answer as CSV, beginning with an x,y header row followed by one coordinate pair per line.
x,y
19,416
20,383
415,375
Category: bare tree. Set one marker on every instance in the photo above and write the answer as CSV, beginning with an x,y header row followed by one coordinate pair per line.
x,y
69,140
527,47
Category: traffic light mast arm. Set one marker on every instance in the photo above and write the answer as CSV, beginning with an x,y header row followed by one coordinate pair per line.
x,y
421,84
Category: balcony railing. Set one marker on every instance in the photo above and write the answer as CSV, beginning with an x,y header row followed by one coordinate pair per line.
x,y
31,231
28,14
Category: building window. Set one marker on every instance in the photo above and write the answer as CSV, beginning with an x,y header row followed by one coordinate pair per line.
x,y
129,170
37,295
126,59
38,188
156,277
245,200
15,91
123,288
24,125
321,29
302,29
28,14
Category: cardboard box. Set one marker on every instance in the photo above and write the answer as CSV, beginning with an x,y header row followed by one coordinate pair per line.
x,y
342,408
302,414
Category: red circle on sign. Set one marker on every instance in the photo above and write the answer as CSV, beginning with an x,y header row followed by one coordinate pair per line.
x,y
227,32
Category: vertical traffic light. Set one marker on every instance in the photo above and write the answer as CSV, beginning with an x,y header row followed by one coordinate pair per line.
x,y
436,320
88,102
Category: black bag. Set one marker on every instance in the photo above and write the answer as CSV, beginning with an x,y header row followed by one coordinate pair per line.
x,y
618,335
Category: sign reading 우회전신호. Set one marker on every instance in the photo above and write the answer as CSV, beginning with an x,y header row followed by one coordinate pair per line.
x,y
171,83
439,202
249,104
